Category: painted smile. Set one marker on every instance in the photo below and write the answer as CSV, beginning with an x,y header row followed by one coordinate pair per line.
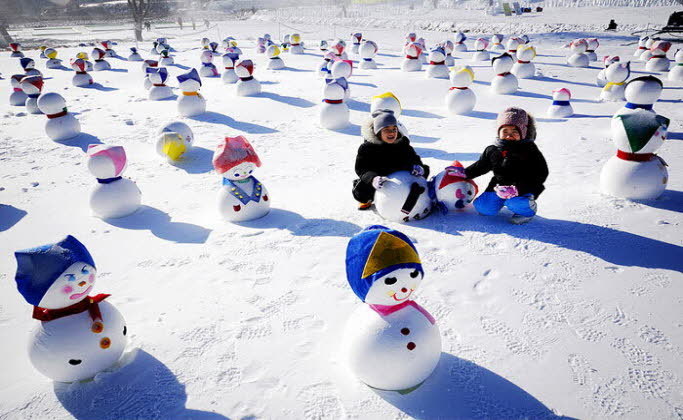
x,y
406,297
80,295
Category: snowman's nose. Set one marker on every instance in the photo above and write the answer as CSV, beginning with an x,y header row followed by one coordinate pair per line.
x,y
404,290
81,284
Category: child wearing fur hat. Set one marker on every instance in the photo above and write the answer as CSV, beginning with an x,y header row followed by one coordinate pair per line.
x,y
385,150
519,168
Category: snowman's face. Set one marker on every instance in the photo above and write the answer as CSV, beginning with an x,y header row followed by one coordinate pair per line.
x,y
394,288
72,286
240,172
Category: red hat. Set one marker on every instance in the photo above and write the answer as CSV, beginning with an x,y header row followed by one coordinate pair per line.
x,y
232,152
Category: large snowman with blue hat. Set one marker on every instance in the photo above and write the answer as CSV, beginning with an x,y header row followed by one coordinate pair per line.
x,y
79,335
391,343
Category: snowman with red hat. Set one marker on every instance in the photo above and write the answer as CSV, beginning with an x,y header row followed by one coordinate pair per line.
x,y
451,190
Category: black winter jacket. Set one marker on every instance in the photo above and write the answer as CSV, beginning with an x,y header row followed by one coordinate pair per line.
x,y
377,158
513,163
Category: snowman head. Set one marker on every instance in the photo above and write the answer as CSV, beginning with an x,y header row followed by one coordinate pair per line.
x,y
323,44
593,43
562,94
206,57
497,38
460,37
386,100
356,37
32,85
205,42
453,191
51,53
235,159
295,39
178,127
273,51
437,55
462,76
608,60
411,37
190,81
244,68
56,275
51,103
98,54
342,68
643,90
27,63
106,161
383,266
413,50
513,43
480,44
502,63
640,131
526,52
367,49
447,46
579,46
618,72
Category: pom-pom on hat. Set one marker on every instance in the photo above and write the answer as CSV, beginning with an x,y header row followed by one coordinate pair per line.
x,y
383,118
38,268
375,252
232,152
514,116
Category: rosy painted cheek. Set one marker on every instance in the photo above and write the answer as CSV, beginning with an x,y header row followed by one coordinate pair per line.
x,y
91,278
67,289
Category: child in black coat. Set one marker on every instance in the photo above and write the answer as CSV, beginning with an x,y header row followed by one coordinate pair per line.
x,y
519,168
384,151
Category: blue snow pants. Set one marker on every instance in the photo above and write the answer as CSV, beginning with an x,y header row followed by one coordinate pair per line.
x,y
490,204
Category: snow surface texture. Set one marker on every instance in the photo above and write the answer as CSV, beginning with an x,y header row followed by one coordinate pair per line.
x,y
575,314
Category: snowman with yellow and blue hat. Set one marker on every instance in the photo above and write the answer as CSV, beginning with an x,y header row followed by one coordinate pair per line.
x,y
391,343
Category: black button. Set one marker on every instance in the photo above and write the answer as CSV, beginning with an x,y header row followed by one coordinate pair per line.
x,y
405,331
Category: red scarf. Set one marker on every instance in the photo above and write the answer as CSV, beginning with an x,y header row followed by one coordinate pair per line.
x,y
57,115
411,58
88,304
436,63
635,157
385,310
457,87
503,74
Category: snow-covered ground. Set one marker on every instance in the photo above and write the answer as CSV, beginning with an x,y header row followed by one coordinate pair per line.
x,y
575,314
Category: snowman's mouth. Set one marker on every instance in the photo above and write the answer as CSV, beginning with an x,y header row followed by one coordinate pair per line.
x,y
401,299
80,295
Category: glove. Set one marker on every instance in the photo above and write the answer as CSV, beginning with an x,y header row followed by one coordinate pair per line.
x,y
458,171
378,182
417,170
506,191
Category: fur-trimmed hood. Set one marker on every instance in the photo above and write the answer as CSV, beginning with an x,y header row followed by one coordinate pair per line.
x,y
531,128
367,131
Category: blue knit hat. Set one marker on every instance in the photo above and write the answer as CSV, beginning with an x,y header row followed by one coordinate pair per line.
x,y
375,252
38,268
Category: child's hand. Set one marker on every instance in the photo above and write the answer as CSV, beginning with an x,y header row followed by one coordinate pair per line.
x,y
506,191
418,170
458,171
378,182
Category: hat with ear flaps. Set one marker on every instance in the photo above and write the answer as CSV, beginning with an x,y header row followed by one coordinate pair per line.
x,y
519,118
383,118
375,252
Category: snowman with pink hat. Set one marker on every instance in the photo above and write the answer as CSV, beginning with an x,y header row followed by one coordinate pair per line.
x,y
113,196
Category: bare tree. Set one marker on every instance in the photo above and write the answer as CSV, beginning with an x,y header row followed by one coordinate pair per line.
x,y
140,10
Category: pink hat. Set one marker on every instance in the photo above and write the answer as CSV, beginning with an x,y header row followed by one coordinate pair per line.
x,y
514,116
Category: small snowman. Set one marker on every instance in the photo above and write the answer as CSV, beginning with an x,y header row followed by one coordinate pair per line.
x,y
593,45
480,54
166,60
339,49
460,39
607,61
367,52
84,56
448,46
113,196
208,69
100,63
412,62
323,45
410,38
134,55
641,46
341,71
247,85
241,197
108,51
356,39
260,45
232,47
497,43
390,343
285,43
523,67
616,75
323,69
173,140
61,124
636,172
297,47
229,76
561,107
437,68
460,99
658,60
578,58
52,61
17,97
334,113
641,93
205,43
16,50
645,56
403,197
451,190
423,55
274,62
148,64
42,49
504,82
676,72
32,87
191,102
29,67
81,78
512,45
213,47
78,335
159,91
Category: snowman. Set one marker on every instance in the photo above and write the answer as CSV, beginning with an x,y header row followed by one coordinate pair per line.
x,y
616,75
523,67
367,52
18,97
403,197
480,45
323,45
147,64
274,60
100,63
334,113
497,43
448,46
61,124
191,102
676,72
412,62
607,61
134,55
108,51
173,140
641,46
42,51
113,196
593,45
208,69
213,48
285,43
356,39
81,78
323,68
159,91
246,85
338,48
205,43
561,107
437,68
29,67
645,56
32,86
578,58
232,47
390,343
16,50
297,47
410,38
636,172
512,45
658,60
84,56
460,42
641,93
229,76
451,190
504,82
260,45
78,335
166,60
242,197
460,99
423,54
52,61
340,71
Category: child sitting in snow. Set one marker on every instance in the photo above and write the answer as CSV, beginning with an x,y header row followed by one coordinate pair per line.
x,y
384,151
519,169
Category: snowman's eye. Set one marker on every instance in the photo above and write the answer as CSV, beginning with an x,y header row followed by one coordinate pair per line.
x,y
75,362
85,270
414,274
237,174
390,280
125,330
70,277
250,171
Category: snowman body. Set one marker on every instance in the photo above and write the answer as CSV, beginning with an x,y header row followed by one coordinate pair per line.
x,y
208,69
523,68
504,82
403,197
159,91
81,78
592,45
297,47
561,107
243,200
411,61
367,51
100,63
61,125
578,58
497,43
437,68
53,63
247,85
615,75
448,46
676,72
658,61
190,103
460,99
480,54
134,55
113,196
229,76
334,113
